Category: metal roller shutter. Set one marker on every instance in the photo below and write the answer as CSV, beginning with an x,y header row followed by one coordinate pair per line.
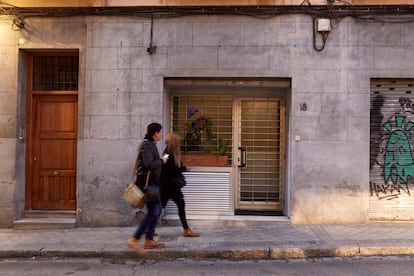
x,y
391,149
206,193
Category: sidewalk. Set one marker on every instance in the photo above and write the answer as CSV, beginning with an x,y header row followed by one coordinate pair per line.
x,y
279,241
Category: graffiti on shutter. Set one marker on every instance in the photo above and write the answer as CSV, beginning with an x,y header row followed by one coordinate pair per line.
x,y
391,149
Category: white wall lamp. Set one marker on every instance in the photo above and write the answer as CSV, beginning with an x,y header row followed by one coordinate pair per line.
x,y
321,26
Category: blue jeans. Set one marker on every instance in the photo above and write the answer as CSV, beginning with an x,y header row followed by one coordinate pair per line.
x,y
150,221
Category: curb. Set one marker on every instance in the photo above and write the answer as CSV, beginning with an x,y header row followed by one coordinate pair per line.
x,y
235,254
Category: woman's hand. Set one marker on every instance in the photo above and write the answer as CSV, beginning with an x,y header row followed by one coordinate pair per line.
x,y
164,158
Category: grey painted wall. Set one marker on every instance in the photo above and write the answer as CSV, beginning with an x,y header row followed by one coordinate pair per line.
x,y
121,91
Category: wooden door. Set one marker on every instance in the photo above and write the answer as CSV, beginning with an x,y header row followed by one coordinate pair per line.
x,y
53,158
52,140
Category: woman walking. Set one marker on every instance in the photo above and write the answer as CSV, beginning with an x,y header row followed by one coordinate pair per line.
x,y
170,188
149,162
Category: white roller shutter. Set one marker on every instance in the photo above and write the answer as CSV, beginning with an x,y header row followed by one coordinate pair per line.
x,y
206,193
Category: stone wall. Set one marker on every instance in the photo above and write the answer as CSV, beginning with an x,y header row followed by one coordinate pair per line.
x,y
121,91
8,92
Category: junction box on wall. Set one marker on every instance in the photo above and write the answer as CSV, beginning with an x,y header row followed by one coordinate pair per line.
x,y
324,25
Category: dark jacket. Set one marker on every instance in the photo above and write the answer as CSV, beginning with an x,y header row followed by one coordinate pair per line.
x,y
148,160
170,170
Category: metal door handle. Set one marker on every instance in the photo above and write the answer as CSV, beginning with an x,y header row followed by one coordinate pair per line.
x,y
55,172
242,157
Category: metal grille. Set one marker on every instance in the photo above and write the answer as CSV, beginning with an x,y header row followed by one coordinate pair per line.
x,y
55,73
391,149
217,109
261,124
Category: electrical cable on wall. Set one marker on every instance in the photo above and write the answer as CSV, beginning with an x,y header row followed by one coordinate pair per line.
x,y
18,24
379,13
151,49
324,35
367,14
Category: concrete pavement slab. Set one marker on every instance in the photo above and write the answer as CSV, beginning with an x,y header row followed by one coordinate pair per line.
x,y
278,241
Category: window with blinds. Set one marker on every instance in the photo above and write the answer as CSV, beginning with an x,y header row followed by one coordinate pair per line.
x,y
204,122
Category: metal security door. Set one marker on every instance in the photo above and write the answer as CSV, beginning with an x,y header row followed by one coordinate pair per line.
x,y
261,146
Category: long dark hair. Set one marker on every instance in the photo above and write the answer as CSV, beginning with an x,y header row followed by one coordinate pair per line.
x,y
151,130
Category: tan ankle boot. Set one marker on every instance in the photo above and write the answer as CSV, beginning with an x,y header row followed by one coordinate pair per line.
x,y
190,233
151,244
134,244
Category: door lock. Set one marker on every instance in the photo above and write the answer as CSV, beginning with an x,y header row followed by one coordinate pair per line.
x,y
22,134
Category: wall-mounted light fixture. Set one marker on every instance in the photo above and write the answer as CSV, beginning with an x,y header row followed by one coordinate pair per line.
x,y
21,41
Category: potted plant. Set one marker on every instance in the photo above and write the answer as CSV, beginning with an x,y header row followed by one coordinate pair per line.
x,y
198,142
222,147
199,133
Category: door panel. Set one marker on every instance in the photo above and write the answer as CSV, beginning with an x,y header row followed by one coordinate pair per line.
x,y
261,132
53,155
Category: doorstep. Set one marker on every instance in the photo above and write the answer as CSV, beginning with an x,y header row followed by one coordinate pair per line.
x,y
223,220
39,220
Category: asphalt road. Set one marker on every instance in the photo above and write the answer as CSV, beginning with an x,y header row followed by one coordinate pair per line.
x,y
371,266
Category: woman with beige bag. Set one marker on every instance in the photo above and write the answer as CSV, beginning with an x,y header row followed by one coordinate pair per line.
x,y
149,166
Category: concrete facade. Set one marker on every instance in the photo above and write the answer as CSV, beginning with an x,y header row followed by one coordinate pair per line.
x,y
122,90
